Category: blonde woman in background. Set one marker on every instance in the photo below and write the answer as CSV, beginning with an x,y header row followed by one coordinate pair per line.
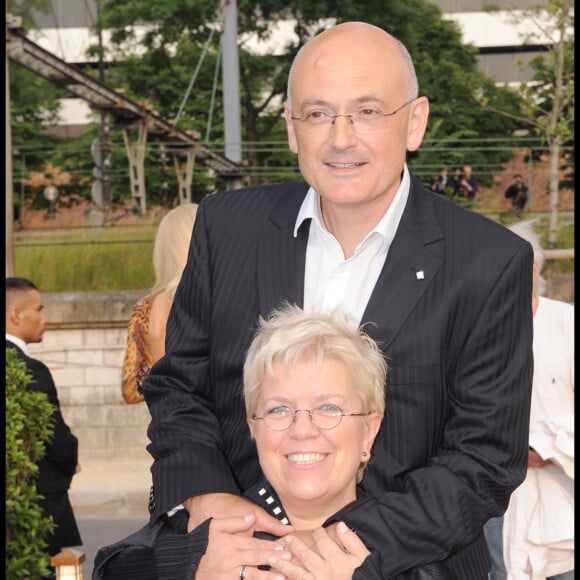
x,y
146,330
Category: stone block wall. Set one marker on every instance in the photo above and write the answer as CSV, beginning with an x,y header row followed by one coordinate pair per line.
x,y
84,346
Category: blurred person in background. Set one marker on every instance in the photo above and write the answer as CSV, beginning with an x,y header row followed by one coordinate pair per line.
x,y
464,183
147,325
535,538
25,324
519,194
439,183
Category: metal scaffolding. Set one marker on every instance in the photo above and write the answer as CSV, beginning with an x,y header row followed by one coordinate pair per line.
x,y
134,117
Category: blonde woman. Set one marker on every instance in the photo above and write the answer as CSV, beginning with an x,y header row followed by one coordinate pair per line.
x,y
146,331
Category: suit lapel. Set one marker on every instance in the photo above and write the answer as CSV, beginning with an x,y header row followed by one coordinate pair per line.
x,y
413,260
282,257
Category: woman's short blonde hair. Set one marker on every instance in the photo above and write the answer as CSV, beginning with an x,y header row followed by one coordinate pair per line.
x,y
290,335
172,246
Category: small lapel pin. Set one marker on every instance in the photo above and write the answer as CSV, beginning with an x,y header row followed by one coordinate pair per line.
x,y
420,275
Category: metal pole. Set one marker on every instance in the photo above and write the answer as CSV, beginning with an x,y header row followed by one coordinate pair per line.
x,y
104,129
10,261
231,81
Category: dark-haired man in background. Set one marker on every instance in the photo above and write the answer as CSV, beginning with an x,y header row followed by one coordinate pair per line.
x,y
25,324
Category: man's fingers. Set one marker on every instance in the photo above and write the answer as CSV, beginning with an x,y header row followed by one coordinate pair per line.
x,y
225,505
290,571
269,524
352,543
228,550
234,524
304,555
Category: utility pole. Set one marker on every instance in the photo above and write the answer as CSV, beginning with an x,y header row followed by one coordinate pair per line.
x,y
9,193
105,146
231,81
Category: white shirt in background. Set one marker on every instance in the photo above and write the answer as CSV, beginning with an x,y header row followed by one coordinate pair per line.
x,y
538,532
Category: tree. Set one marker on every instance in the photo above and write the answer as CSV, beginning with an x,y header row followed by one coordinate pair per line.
x,y
28,428
177,30
548,100
25,8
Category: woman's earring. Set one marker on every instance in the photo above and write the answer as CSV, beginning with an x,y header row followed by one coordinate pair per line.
x,y
364,453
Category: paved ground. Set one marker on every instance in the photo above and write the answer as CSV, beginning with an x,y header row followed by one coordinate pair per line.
x,y
109,497
112,483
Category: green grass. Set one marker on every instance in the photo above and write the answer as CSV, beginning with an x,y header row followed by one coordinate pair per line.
x,y
87,259
565,241
114,258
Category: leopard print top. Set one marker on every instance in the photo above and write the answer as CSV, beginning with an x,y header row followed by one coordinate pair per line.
x,y
138,360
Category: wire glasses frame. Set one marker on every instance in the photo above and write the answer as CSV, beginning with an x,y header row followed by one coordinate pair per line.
x,y
363,119
323,417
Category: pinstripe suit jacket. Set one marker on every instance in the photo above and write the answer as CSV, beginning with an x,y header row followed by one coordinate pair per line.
x,y
452,312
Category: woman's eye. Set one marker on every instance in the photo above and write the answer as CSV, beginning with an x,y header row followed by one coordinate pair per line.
x,y
279,411
330,409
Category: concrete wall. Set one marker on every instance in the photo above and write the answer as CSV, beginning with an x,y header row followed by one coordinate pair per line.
x,y
84,346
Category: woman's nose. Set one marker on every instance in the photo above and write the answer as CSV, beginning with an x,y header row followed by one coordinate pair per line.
x,y
303,422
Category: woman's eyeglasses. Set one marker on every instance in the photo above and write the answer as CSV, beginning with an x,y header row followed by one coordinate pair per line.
x,y
326,417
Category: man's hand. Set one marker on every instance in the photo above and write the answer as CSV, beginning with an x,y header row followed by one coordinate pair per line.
x,y
535,459
226,505
229,548
329,560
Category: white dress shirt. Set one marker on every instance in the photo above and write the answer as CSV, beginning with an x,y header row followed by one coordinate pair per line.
x,y
330,281
19,343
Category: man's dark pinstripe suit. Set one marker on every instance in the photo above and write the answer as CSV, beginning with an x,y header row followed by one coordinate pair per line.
x,y
452,313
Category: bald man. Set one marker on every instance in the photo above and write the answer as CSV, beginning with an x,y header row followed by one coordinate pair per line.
x,y
444,291
25,324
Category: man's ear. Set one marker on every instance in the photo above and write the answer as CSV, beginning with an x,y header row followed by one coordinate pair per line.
x,y
13,315
417,123
292,142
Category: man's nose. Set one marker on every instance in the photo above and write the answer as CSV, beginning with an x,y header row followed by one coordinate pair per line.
x,y
342,131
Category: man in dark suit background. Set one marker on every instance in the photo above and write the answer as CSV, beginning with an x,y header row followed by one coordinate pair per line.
x,y
444,291
25,324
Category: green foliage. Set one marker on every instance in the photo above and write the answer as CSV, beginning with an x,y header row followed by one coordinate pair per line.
x,y
25,8
547,101
28,428
158,68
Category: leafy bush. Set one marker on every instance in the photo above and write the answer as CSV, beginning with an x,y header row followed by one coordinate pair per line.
x,y
28,428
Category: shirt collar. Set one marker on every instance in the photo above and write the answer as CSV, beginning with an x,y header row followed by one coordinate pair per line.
x,y
310,209
19,343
